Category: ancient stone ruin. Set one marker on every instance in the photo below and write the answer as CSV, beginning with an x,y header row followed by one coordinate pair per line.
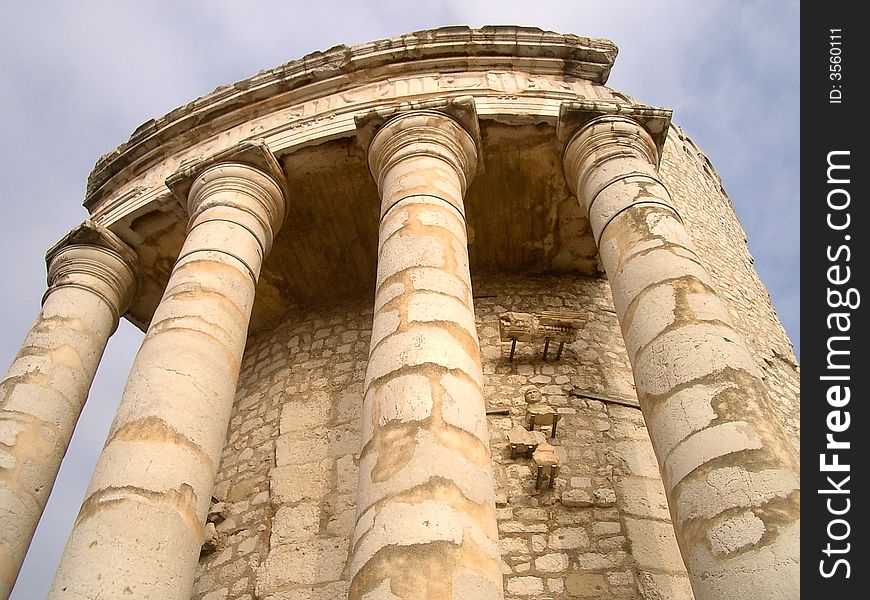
x,y
329,401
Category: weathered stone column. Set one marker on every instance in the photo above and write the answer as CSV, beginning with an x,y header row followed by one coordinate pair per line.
x,y
90,283
140,528
426,523
730,474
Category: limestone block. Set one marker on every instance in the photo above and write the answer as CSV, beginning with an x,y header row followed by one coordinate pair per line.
x,y
620,578
533,514
653,545
220,594
302,447
344,440
513,545
587,585
293,524
304,414
643,497
330,591
552,563
347,473
604,497
604,528
568,538
308,563
577,497
293,483
525,586
638,456
663,586
341,524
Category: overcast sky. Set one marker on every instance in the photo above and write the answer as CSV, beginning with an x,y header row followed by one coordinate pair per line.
x,y
79,77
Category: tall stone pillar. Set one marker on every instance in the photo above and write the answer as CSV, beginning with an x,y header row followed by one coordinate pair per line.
x,y
140,528
730,474
90,283
426,524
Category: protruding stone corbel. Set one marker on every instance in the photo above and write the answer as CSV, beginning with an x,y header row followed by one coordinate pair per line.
x,y
522,442
547,465
560,326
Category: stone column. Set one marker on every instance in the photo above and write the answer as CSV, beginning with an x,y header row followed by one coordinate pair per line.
x,y
426,524
140,528
90,283
730,474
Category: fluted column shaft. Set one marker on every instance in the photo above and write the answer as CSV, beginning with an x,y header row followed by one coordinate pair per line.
x,y
426,524
44,391
140,528
730,474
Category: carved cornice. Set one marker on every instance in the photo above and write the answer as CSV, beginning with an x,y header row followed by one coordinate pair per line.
x,y
442,50
91,257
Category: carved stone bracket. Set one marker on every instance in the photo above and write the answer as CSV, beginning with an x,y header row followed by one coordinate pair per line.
x,y
547,326
547,465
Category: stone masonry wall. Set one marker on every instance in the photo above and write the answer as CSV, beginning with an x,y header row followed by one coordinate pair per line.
x,y
288,477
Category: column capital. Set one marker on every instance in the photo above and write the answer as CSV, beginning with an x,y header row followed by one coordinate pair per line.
x,y
445,130
251,175
593,133
590,154
93,258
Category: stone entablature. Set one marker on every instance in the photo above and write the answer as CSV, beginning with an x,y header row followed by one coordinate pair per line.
x,y
303,113
525,49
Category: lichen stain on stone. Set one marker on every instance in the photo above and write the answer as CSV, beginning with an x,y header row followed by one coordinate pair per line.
x,y
31,447
423,571
777,513
153,430
182,500
395,444
443,489
684,312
